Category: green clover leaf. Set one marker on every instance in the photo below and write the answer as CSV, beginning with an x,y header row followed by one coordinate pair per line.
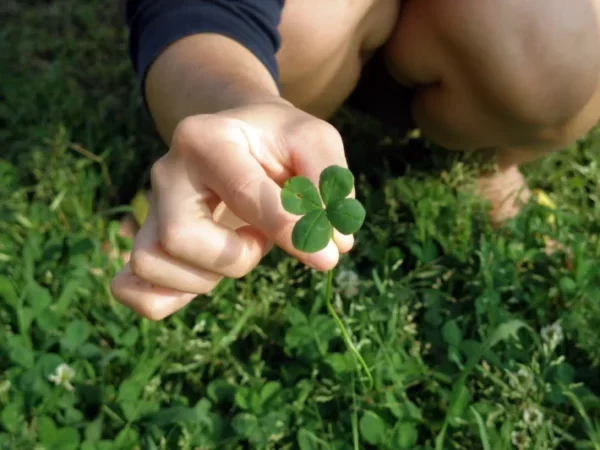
x,y
312,232
300,196
335,183
346,215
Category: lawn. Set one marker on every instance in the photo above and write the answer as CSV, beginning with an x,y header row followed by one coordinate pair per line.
x,y
476,338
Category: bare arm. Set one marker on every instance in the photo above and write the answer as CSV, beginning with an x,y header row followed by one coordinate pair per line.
x,y
232,141
204,74
203,56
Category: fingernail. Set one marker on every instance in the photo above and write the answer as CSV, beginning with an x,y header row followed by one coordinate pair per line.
x,y
267,247
142,284
344,242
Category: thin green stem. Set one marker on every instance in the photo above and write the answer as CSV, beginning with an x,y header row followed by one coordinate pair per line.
x,y
354,417
343,329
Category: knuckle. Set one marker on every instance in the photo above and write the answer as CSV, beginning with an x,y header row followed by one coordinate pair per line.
x,y
186,133
201,284
316,134
208,285
241,269
159,173
328,133
242,190
116,286
171,237
153,310
142,264
236,261
194,133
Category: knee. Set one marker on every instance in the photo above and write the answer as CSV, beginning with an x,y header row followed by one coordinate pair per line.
x,y
531,66
542,56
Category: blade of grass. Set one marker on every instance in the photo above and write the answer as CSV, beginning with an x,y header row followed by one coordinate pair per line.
x,y
343,329
501,333
485,441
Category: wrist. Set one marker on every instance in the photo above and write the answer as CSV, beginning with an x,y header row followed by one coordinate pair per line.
x,y
205,74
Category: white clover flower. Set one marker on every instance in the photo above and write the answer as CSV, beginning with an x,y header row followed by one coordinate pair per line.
x,y
62,376
522,379
4,387
552,335
520,439
200,327
185,439
152,385
410,329
533,417
348,282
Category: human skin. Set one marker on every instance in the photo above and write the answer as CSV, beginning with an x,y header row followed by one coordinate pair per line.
x,y
512,80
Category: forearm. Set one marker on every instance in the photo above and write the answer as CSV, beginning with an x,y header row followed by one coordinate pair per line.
x,y
203,56
203,74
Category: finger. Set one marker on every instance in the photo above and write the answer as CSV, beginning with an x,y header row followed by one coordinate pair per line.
x,y
151,263
188,233
226,217
227,167
147,300
313,147
344,242
327,150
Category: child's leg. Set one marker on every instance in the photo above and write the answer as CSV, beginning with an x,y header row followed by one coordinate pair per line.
x,y
323,47
514,79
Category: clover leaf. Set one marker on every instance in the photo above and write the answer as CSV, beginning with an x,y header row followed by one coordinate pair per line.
x,y
314,230
346,215
300,196
335,183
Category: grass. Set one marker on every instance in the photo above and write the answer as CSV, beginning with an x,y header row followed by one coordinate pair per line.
x,y
476,338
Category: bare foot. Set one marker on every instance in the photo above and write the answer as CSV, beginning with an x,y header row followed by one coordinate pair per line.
x,y
506,191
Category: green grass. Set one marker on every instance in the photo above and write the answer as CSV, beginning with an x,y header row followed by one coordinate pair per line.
x,y
455,320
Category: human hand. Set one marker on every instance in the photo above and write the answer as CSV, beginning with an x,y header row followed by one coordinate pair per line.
x,y
216,211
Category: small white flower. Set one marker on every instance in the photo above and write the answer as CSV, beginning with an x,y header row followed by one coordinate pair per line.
x,y
520,439
152,386
552,335
4,387
348,281
533,417
185,439
62,376
410,329
523,379
200,327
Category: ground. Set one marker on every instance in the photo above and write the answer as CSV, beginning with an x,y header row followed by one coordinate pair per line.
x,y
477,338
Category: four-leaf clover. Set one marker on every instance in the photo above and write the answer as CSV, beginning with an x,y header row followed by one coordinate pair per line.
x,y
324,211
321,213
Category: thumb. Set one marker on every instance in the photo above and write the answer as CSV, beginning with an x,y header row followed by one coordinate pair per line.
x,y
312,148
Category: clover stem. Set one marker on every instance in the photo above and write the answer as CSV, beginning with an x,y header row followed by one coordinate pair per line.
x,y
340,325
